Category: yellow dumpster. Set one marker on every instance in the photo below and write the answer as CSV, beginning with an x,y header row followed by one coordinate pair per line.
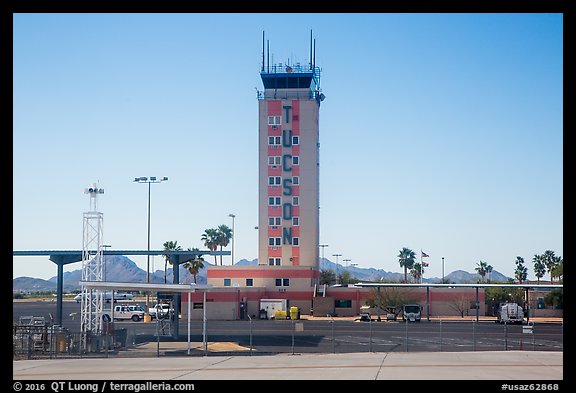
x,y
294,313
279,314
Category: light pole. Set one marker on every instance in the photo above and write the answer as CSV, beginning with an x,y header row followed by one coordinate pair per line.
x,y
152,179
104,258
346,264
443,271
322,246
336,255
233,235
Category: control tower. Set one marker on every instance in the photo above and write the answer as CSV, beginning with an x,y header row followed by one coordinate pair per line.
x,y
288,162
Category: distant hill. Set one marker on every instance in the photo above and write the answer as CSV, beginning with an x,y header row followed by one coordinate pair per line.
x,y
122,269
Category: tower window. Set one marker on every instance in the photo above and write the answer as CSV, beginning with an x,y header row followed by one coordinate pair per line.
x,y
282,282
296,180
274,180
274,120
295,160
295,221
274,241
274,160
274,261
295,241
274,140
249,282
227,282
296,201
296,140
274,221
274,201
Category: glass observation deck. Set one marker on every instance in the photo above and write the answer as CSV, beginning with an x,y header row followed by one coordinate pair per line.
x,y
291,77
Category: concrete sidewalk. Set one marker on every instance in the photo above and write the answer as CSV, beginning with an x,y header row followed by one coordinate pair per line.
x,y
505,365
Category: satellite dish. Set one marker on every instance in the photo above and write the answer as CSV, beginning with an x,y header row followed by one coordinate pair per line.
x,y
322,96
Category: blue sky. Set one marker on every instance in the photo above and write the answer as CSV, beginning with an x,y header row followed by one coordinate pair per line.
x,y
439,132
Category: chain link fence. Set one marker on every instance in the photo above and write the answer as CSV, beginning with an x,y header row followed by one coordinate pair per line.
x,y
265,337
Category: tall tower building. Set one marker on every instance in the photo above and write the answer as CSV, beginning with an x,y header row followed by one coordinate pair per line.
x,y
288,198
288,162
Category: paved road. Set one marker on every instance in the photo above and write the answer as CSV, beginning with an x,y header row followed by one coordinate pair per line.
x,y
511,367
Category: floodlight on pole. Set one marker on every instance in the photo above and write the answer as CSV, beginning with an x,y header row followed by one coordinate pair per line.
x,y
233,235
152,179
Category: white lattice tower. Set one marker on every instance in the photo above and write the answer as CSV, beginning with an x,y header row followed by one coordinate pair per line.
x,y
92,265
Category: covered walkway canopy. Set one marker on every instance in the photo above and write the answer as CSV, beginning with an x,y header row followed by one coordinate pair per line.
x,y
65,257
525,286
169,288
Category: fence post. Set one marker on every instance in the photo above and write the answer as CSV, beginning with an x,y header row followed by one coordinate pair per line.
x,y
332,322
370,324
473,336
293,328
440,335
250,319
406,334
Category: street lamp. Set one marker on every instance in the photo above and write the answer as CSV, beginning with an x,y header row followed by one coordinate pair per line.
x,y
336,255
233,235
346,263
152,179
322,246
443,270
105,246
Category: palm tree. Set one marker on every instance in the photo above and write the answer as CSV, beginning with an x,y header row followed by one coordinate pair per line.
x,y
549,260
210,239
406,258
169,246
195,265
482,269
489,269
224,236
539,266
521,272
416,271
558,269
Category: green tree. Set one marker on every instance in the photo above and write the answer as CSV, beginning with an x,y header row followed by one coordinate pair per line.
x,y
327,277
407,258
346,278
539,266
417,271
558,269
555,298
521,272
169,246
482,269
210,239
195,265
549,259
489,269
223,237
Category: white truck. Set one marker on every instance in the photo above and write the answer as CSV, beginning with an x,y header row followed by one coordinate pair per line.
x,y
268,307
510,313
132,312
160,310
411,312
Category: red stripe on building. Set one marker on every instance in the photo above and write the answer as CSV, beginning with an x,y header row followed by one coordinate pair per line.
x,y
274,150
274,108
274,170
264,272
274,191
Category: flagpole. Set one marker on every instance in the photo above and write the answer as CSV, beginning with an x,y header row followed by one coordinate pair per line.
x,y
420,266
